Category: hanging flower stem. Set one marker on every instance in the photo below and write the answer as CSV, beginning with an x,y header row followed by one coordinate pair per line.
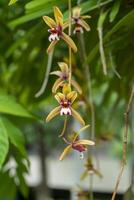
x,y
69,33
48,69
91,196
64,127
125,140
101,49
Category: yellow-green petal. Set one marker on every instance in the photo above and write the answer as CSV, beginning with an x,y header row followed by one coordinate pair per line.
x,y
58,16
64,67
76,86
57,73
77,134
84,175
83,128
51,46
65,152
66,24
76,12
59,97
85,17
49,21
71,96
66,89
77,116
53,113
69,41
97,172
56,85
85,142
84,25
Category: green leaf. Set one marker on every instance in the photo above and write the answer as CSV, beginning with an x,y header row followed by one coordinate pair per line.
x,y
22,183
37,4
102,19
33,12
4,144
8,183
89,6
8,105
11,2
36,9
93,4
15,136
127,21
115,10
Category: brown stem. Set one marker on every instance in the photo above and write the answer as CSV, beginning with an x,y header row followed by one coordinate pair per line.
x,y
125,139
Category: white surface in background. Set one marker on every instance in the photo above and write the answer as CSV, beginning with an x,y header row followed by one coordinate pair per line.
x,y
34,177
66,174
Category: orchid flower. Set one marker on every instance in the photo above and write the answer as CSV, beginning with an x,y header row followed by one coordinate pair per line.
x,y
56,30
63,75
77,144
90,170
79,21
65,100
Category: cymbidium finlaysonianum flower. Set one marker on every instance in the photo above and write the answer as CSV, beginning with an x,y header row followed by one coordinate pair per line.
x,y
65,100
56,30
64,78
77,144
90,169
79,21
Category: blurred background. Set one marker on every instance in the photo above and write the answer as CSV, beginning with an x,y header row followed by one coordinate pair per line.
x,y
30,148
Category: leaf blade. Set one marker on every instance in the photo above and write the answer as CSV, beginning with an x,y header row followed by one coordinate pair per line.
x,y
8,105
11,2
4,144
15,136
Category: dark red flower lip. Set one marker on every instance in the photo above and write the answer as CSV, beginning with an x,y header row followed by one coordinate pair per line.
x,y
56,30
65,103
79,147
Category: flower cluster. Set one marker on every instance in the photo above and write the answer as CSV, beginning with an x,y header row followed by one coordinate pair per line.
x,y
57,27
62,88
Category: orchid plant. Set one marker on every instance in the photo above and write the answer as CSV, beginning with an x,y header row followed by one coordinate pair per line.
x,y
65,88
62,87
